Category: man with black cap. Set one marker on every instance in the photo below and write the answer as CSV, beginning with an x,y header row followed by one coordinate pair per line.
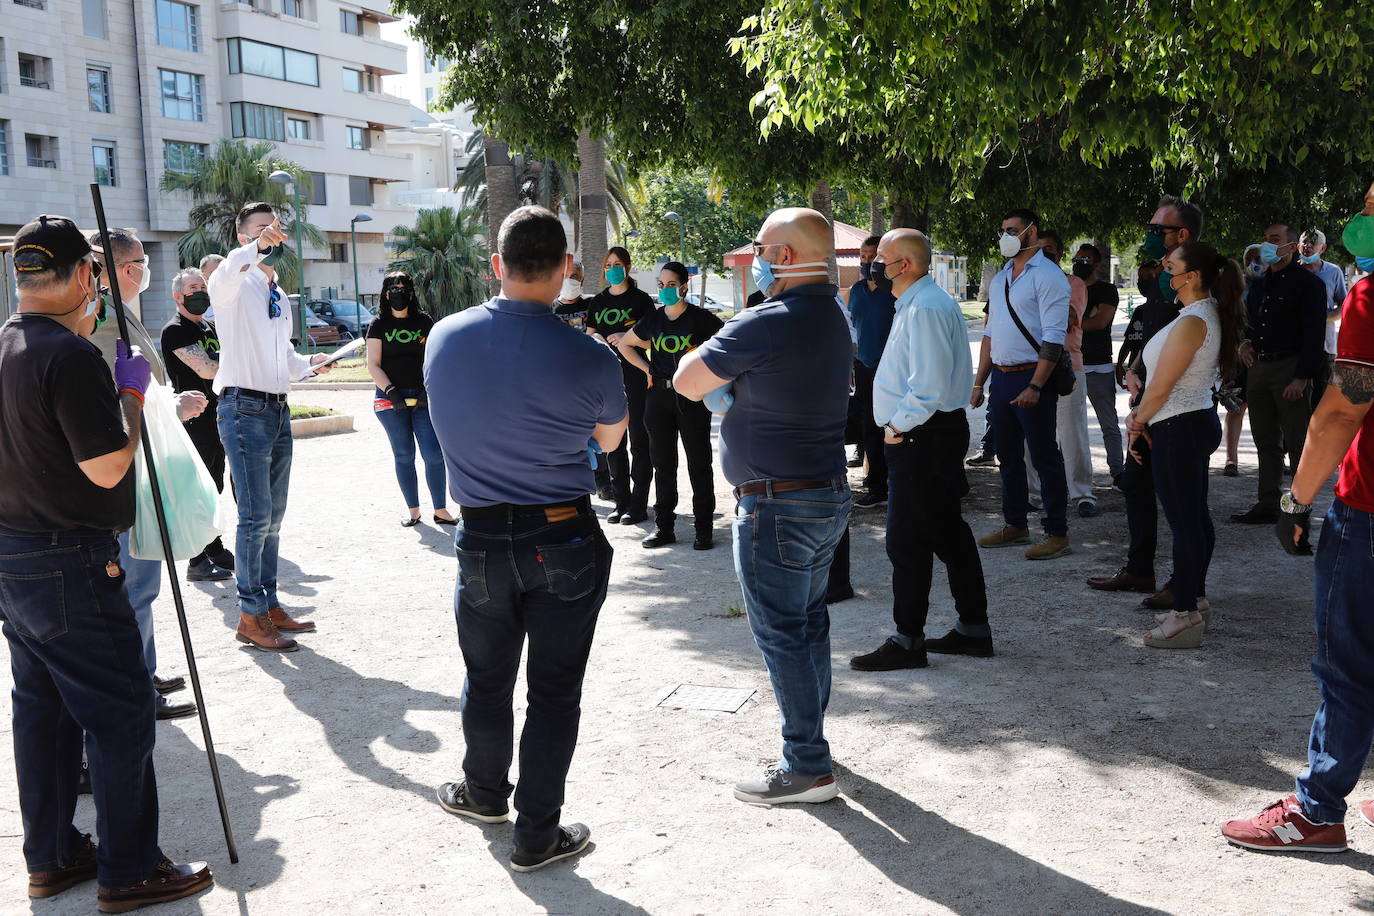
x,y
68,436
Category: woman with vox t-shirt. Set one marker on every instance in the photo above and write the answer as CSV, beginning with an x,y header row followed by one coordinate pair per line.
x,y
670,333
396,361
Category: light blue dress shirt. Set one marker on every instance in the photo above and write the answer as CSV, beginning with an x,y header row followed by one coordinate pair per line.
x,y
1040,296
926,366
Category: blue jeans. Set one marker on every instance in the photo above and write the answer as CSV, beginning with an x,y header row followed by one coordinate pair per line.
x,y
143,582
784,544
1344,665
405,428
1033,428
257,445
1183,447
521,576
77,663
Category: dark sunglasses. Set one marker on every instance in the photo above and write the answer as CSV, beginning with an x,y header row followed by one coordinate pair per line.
x,y
274,302
1162,228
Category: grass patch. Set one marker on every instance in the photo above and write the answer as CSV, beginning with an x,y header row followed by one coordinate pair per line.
x,y
306,412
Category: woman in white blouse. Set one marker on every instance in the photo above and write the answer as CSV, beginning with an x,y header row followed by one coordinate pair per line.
x,y
1177,415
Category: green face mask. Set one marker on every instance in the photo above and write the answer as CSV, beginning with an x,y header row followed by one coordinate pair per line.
x,y
1165,287
274,255
669,295
615,275
197,303
1154,245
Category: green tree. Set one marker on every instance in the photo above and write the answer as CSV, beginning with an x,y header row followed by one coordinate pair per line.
x,y
234,174
446,255
715,223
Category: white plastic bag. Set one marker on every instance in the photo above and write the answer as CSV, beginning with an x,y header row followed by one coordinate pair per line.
x,y
189,497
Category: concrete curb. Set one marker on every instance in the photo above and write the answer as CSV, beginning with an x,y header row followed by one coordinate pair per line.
x,y
318,426
331,386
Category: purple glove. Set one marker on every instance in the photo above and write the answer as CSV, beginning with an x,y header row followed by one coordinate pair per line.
x,y
131,370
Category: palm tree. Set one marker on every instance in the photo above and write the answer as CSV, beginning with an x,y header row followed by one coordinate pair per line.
x,y
221,183
591,205
445,255
498,177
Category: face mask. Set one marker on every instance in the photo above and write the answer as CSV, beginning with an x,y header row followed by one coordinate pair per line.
x,y
1010,244
197,303
1365,264
1083,270
1166,286
765,276
615,275
877,271
1257,269
572,289
1154,245
866,271
1269,253
669,295
274,256
1311,258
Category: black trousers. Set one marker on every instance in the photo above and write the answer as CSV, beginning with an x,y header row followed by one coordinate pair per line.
x,y
926,483
631,464
1142,513
204,434
870,433
669,417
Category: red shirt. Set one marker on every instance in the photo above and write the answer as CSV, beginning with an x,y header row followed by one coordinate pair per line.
x,y
1355,347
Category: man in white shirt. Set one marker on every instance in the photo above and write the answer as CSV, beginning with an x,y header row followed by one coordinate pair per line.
x,y
256,368
1310,250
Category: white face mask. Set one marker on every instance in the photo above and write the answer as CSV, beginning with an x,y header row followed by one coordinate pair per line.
x,y
572,289
1009,244
147,280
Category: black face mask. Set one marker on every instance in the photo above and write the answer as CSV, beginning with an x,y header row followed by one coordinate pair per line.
x,y
877,272
398,298
1083,270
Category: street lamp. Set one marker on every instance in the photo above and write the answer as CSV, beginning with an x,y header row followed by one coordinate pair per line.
x,y
357,293
681,233
286,178
632,234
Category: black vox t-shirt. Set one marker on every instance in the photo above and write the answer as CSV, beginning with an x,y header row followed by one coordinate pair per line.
x,y
58,407
609,314
403,347
670,340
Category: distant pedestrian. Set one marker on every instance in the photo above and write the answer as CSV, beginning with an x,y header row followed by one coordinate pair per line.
x,y
871,308
1100,380
1311,247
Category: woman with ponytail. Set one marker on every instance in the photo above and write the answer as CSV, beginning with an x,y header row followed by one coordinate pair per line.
x,y
1177,416
396,361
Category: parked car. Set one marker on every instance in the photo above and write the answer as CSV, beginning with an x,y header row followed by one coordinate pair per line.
x,y
320,332
713,305
351,318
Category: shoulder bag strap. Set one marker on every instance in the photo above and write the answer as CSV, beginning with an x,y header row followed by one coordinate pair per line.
x,y
1017,318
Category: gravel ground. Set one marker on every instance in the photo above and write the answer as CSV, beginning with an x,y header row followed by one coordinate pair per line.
x,y
1075,772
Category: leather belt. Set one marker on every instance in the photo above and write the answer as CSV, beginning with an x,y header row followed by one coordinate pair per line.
x,y
553,512
1021,368
254,393
763,487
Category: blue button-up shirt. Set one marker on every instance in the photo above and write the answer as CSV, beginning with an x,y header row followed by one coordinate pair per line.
x,y
926,366
1040,296
870,312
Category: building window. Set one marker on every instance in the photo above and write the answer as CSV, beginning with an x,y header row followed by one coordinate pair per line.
x,y
359,191
183,95
318,197
32,4
104,156
338,252
93,18
98,88
178,25
35,72
298,128
352,80
273,62
357,137
292,8
40,151
262,122
429,96
4,147
179,156
352,22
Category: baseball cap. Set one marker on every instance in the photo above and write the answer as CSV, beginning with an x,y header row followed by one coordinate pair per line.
x,y
48,243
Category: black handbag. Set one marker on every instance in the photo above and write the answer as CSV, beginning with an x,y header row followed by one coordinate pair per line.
x,y
1062,378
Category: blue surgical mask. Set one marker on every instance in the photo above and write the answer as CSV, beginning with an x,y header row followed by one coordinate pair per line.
x,y
1365,264
763,275
864,272
1269,253
1310,258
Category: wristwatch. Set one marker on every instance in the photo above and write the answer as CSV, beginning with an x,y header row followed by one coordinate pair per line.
x,y
1034,387
895,432
1288,506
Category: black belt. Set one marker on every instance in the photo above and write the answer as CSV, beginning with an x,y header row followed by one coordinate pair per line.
x,y
768,487
1273,356
554,512
254,393
665,383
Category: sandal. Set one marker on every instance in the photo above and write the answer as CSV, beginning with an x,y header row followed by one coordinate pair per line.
x,y
411,522
1190,637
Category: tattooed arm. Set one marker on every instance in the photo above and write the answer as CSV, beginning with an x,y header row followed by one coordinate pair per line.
x,y
199,361
1333,427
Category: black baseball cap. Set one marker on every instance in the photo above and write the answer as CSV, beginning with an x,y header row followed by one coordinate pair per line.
x,y
48,243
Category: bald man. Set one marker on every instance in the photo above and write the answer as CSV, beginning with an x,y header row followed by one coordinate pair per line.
x,y
782,446
921,388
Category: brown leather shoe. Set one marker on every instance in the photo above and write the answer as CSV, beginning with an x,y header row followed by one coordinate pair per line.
x,y
1162,600
167,882
52,883
1122,581
262,633
285,622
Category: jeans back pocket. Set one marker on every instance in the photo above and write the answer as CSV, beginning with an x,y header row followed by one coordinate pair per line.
x,y
35,603
570,568
801,539
472,577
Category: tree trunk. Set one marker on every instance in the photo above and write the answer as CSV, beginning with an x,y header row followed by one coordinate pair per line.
x,y
876,224
591,207
903,211
501,190
822,200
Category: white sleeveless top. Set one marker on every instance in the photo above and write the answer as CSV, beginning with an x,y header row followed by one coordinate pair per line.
x,y
1194,388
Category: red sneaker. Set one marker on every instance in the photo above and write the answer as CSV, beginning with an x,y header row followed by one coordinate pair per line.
x,y
1282,827
1367,812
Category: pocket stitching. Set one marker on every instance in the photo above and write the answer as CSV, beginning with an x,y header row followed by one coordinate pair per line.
x,y
479,579
60,600
545,550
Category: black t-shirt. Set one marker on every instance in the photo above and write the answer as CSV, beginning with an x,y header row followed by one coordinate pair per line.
x,y
403,347
58,407
669,340
184,332
573,314
1097,345
1146,321
609,314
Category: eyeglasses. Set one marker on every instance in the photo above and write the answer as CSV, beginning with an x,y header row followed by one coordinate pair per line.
x,y
1162,228
760,246
274,301
143,261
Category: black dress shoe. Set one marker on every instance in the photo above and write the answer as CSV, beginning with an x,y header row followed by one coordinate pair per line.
x,y
660,539
703,541
889,657
222,558
168,710
634,518
983,460
615,517
1257,515
572,839
166,685
956,643
836,595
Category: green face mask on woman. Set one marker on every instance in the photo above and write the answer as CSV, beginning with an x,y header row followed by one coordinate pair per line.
x,y
615,275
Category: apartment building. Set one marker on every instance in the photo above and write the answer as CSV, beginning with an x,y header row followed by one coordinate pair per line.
x,y
120,93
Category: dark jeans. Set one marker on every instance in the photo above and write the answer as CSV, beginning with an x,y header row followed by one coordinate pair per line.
x,y
1183,447
838,579
668,416
77,663
631,464
1142,513
1035,428
204,435
257,443
1276,424
526,577
926,483
405,428
1344,664
783,548
870,433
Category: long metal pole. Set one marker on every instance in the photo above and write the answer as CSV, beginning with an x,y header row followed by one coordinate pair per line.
x,y
357,293
300,264
191,669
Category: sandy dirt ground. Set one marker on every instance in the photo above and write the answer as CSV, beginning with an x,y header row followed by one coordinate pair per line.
x,y
1076,772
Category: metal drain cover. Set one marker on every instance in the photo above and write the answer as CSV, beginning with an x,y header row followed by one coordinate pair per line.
x,y
693,696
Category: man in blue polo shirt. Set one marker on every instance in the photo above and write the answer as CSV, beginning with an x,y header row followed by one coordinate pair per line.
x,y
515,396
871,307
782,446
